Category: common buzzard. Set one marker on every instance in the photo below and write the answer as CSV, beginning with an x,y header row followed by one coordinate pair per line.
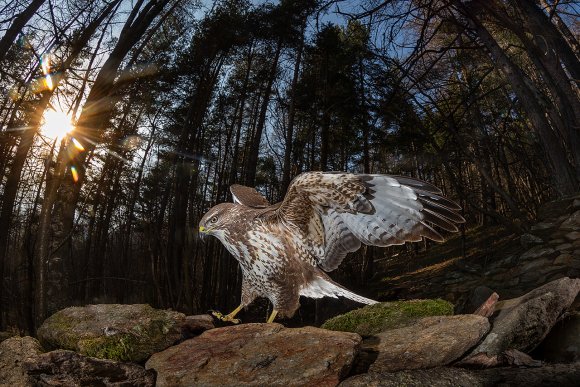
x,y
285,249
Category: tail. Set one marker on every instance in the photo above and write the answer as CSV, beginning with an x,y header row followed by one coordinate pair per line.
x,y
322,287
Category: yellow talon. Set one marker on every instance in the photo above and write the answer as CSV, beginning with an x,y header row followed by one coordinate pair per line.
x,y
217,314
272,316
230,317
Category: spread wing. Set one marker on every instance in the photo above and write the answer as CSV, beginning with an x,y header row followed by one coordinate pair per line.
x,y
339,211
248,196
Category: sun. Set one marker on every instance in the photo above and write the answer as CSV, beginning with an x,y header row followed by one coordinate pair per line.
x,y
56,124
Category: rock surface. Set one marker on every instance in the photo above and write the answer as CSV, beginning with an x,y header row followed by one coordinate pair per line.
x,y
529,240
195,325
559,375
376,318
5,335
430,342
68,368
477,297
523,322
562,345
13,352
112,331
257,355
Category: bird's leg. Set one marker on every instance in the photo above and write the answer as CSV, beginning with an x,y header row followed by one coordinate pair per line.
x,y
230,317
272,316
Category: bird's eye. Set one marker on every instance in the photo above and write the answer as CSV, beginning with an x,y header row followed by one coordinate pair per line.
x,y
214,219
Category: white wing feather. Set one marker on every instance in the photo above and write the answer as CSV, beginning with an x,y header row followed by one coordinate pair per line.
x,y
377,210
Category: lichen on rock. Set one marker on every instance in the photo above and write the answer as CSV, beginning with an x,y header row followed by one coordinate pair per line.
x,y
111,331
376,318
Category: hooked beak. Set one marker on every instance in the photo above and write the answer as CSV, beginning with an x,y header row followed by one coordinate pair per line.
x,y
202,233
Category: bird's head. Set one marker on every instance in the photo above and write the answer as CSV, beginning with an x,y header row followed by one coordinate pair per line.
x,y
215,221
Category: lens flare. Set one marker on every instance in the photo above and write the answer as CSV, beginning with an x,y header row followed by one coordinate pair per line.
x,y
74,173
46,70
77,144
56,125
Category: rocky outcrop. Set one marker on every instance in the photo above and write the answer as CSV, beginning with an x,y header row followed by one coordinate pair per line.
x,y
376,318
429,342
523,322
68,368
13,353
112,331
257,355
400,346
556,375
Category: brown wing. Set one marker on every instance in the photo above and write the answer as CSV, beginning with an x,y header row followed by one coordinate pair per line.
x,y
339,211
248,196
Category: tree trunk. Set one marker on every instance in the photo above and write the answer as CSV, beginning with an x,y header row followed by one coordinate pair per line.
x,y
287,169
240,119
17,26
93,119
563,173
252,161
562,27
27,136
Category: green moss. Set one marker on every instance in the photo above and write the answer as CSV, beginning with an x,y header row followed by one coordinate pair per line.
x,y
57,331
110,331
135,345
119,347
376,318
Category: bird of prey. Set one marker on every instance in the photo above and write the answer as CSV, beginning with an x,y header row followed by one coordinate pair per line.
x,y
285,249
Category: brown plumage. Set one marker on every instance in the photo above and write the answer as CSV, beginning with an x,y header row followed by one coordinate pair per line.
x,y
284,249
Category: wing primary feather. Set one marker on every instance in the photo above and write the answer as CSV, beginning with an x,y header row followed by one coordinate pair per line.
x,y
439,200
442,212
439,221
429,232
417,184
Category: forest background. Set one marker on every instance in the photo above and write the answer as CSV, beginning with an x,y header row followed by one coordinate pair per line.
x,y
167,103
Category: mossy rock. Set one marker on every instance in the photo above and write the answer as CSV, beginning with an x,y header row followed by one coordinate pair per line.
x,y
112,331
380,317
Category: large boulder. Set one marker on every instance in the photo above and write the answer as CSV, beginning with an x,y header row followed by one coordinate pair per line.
x,y
112,331
429,342
556,375
257,355
522,323
68,368
376,318
13,353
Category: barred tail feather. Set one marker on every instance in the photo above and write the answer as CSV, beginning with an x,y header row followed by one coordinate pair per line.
x,y
321,287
